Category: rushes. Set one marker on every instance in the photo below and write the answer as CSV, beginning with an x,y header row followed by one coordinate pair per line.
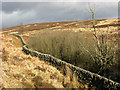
x,y
65,45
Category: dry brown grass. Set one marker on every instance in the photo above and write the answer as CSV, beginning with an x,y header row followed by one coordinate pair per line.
x,y
20,70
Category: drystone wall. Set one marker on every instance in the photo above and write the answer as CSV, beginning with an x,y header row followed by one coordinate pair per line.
x,y
84,76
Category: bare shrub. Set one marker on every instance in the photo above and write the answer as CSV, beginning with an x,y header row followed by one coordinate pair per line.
x,y
106,51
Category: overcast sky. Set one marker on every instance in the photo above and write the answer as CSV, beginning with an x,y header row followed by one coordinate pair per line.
x,y
15,13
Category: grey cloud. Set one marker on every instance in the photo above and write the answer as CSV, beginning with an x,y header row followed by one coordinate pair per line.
x,y
9,7
36,12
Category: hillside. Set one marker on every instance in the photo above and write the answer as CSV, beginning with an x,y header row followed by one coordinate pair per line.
x,y
24,71
76,26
